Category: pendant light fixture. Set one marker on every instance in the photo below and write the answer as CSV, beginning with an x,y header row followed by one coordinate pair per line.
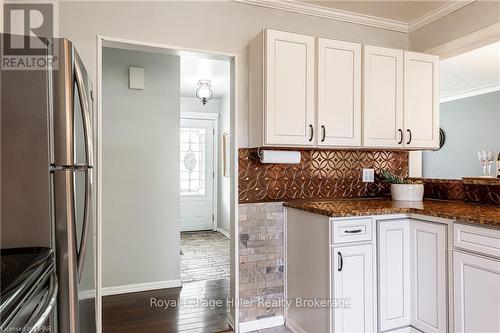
x,y
204,93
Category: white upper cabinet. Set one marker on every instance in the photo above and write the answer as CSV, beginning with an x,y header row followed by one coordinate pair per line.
x,y
383,97
421,100
283,113
316,92
339,93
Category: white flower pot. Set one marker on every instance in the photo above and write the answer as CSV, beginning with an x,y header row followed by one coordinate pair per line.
x,y
407,192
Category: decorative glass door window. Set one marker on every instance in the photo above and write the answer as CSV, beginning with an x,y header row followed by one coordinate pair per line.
x,y
192,161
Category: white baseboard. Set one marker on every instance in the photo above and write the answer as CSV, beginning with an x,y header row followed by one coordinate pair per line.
x,y
86,294
133,288
260,324
293,327
224,232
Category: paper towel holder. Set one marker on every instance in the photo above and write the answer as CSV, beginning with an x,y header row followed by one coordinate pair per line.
x,y
280,156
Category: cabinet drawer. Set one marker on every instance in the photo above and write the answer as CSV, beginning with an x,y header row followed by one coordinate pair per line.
x,y
478,239
351,230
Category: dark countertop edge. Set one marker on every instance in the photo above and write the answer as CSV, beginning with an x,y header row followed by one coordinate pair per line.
x,y
394,211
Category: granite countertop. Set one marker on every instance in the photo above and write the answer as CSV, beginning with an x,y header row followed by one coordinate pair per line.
x,y
486,215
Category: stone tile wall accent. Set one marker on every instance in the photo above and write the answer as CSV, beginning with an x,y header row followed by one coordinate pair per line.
x,y
320,174
261,258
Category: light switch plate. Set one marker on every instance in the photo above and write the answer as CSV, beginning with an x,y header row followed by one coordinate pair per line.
x,y
368,175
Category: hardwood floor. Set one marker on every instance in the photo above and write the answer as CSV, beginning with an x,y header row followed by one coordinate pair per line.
x,y
185,309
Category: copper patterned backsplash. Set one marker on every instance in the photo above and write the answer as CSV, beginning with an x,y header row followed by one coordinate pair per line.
x,y
321,174
462,190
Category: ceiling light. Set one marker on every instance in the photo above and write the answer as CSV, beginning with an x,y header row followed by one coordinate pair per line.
x,y
204,93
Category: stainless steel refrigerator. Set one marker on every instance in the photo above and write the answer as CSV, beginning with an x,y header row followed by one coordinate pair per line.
x,y
47,175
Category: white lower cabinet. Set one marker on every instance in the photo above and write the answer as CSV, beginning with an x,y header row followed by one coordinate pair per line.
x,y
394,274
353,280
412,279
428,276
476,288
398,274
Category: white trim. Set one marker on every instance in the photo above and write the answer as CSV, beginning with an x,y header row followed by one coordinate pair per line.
x,y
260,324
357,18
236,67
330,13
468,42
437,14
224,232
86,294
470,92
200,115
98,178
137,287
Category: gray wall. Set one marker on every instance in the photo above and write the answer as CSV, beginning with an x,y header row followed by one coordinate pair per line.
x,y
470,124
140,190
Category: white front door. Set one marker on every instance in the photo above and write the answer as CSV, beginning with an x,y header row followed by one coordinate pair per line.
x,y
197,174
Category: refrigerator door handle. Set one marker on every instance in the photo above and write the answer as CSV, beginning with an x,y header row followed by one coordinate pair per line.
x,y
87,215
85,102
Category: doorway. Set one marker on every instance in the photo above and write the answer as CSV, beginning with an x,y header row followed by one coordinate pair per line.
x,y
149,121
198,141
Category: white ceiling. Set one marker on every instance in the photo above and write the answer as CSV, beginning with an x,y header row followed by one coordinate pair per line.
x,y
472,73
403,11
194,68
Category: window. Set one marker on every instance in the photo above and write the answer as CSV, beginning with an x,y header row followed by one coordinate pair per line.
x,y
192,161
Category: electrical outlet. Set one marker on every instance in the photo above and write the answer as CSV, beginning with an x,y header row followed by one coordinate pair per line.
x,y
368,175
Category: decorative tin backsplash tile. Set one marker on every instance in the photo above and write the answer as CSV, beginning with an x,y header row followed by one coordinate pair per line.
x,y
457,189
321,174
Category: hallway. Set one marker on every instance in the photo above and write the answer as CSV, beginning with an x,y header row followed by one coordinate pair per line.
x,y
204,256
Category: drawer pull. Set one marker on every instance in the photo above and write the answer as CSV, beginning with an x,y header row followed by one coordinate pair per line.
x,y
353,231
341,261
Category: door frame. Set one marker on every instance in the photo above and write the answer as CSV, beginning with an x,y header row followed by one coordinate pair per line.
x,y
236,73
214,117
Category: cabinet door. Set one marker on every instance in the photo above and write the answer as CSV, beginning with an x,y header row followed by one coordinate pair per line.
x,y
428,276
383,97
394,274
421,100
290,89
353,279
476,288
339,93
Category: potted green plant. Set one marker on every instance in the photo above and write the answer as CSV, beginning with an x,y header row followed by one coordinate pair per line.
x,y
403,189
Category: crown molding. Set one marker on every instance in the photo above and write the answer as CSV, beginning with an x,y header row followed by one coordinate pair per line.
x,y
485,89
351,17
330,13
468,42
437,14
